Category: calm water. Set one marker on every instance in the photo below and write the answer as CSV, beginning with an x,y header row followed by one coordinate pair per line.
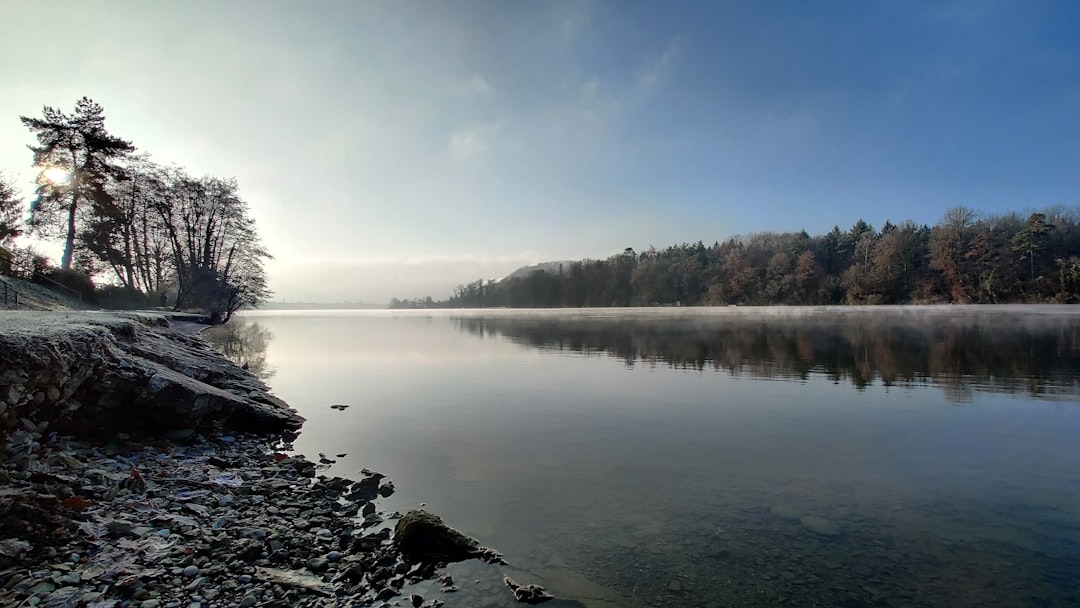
x,y
717,458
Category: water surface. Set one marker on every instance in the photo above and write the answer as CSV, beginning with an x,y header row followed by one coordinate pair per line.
x,y
713,457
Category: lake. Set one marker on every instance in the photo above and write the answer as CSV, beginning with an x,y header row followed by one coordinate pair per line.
x,y
711,457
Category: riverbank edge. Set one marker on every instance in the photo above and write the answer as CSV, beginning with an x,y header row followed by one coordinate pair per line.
x,y
142,468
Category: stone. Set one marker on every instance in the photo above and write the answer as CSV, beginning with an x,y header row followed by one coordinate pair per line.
x,y
529,594
423,537
317,564
820,526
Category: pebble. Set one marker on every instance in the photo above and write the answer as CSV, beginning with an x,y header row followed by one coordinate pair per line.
x,y
291,522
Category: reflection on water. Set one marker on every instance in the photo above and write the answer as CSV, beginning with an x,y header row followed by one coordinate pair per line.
x,y
608,462
244,343
1038,357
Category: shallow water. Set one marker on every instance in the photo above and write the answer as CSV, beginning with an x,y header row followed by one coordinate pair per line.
x,y
713,458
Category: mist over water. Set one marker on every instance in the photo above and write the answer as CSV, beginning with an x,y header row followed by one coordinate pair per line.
x,y
885,456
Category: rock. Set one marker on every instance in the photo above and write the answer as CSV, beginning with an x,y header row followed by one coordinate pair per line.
x,y
191,571
423,537
529,594
674,586
820,526
317,564
42,588
131,371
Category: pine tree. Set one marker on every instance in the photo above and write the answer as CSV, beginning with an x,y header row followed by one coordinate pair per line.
x,y
76,158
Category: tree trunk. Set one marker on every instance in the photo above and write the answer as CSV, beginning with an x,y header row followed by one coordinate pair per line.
x,y
69,241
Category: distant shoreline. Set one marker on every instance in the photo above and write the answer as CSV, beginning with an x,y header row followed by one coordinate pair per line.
x,y
779,310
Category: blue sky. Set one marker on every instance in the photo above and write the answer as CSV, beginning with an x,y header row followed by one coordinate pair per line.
x,y
401,148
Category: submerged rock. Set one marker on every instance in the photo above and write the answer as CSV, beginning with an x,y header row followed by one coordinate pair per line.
x,y
423,537
819,525
529,594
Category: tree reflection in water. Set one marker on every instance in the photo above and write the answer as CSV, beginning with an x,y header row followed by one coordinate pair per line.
x,y
244,343
1013,354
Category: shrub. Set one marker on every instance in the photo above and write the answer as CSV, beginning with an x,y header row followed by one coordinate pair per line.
x,y
74,280
118,297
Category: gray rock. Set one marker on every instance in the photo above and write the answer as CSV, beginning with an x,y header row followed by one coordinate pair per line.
x,y
423,537
529,594
819,525
317,564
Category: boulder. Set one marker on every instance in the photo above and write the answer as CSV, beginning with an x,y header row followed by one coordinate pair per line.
x,y
423,537
102,373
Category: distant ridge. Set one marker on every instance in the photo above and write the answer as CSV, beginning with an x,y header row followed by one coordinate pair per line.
x,y
549,267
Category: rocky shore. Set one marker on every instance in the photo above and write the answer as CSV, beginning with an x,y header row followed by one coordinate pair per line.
x,y
141,468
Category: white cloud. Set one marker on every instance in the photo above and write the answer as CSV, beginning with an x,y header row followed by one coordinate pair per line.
x,y
655,70
380,276
477,86
470,144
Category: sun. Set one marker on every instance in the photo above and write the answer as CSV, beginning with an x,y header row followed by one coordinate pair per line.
x,y
57,175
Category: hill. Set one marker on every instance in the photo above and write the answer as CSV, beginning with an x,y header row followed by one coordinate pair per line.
x,y
32,296
548,267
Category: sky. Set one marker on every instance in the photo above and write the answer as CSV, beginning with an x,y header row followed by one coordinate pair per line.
x,y
402,148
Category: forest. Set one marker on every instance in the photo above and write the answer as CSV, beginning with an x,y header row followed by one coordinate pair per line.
x,y
146,233
964,258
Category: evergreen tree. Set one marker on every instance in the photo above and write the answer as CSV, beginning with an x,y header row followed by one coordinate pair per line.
x,y
76,157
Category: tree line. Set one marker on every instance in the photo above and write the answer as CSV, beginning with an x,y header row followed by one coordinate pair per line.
x,y
155,233
964,258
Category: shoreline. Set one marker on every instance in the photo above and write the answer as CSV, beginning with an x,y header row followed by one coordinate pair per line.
x,y
141,468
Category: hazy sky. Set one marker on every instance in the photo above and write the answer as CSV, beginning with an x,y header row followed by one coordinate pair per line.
x,y
401,148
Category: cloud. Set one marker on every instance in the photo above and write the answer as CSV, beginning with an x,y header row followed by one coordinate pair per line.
x,y
377,277
649,75
521,258
477,86
470,144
